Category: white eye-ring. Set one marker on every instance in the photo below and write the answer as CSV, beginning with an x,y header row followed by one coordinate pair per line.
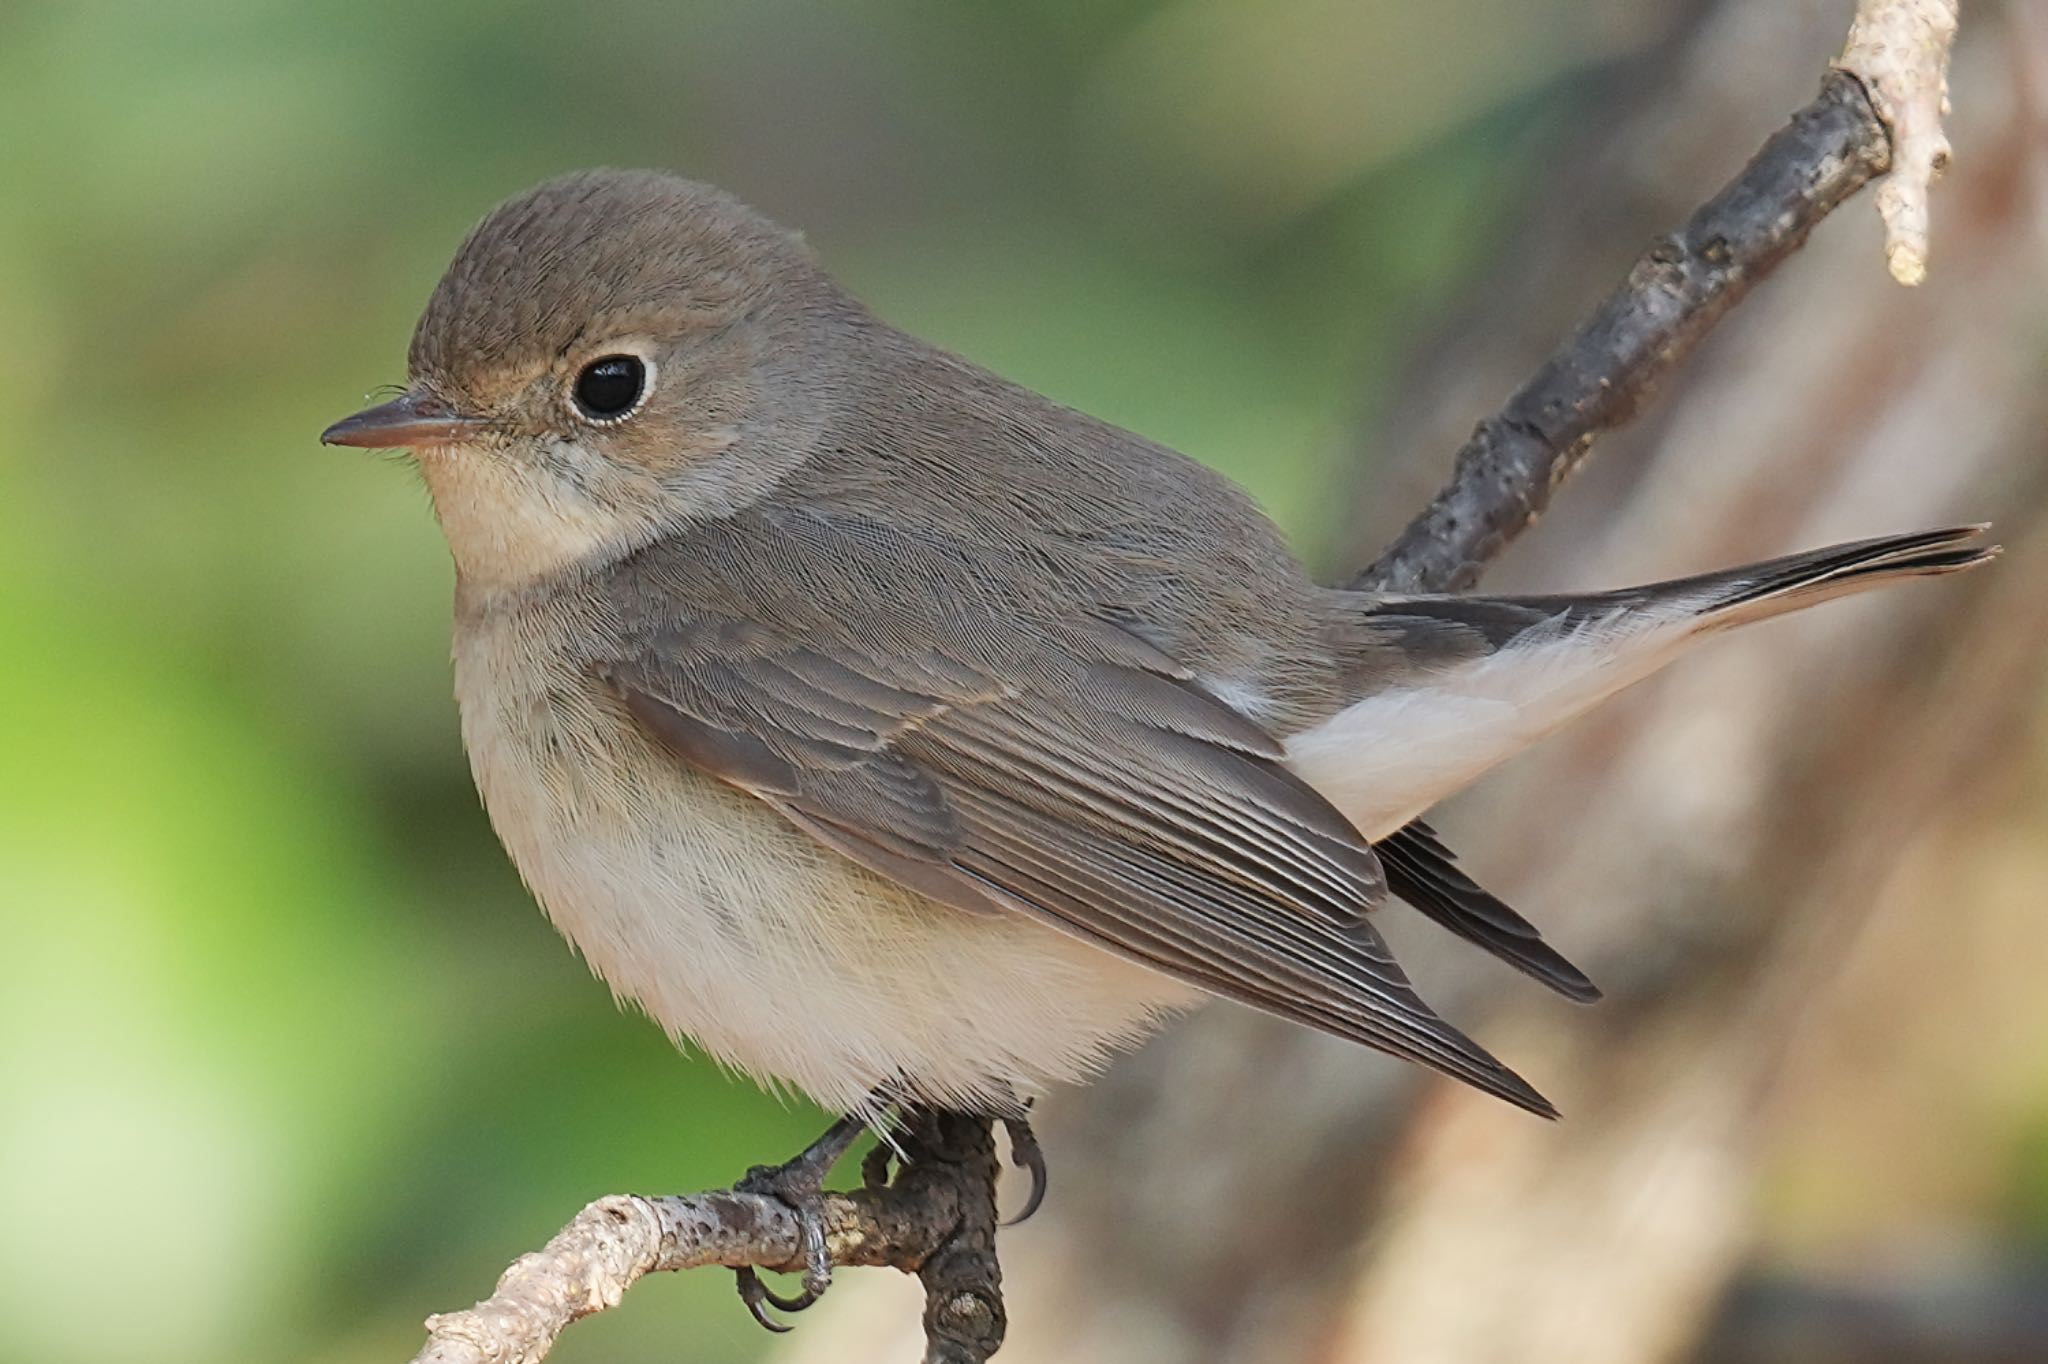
x,y
611,388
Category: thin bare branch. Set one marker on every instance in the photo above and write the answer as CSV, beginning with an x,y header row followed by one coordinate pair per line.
x,y
1674,294
937,1220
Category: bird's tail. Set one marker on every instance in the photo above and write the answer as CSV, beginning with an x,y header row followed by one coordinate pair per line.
x,y
1448,686
1759,591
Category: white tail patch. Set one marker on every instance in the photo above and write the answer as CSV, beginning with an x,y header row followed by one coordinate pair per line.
x,y
1389,757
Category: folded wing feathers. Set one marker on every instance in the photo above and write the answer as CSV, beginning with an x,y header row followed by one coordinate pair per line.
x,y
1134,809
1137,901
1423,872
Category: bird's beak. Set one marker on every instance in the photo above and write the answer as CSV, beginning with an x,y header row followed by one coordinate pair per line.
x,y
411,419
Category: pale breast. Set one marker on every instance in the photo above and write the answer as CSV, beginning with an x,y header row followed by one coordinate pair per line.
x,y
731,927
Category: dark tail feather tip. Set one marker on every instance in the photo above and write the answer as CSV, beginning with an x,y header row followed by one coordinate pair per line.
x,y
1920,553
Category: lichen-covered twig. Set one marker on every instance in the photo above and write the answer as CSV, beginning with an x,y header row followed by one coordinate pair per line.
x,y
1899,50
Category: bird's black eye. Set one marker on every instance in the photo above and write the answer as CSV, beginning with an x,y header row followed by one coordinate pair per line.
x,y
608,390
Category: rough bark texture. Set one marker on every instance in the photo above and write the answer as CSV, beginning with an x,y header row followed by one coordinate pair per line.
x,y
1711,847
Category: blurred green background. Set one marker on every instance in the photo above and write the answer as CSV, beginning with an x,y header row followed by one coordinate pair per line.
x,y
276,1018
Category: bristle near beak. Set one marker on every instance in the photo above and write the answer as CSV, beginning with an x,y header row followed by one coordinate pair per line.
x,y
410,420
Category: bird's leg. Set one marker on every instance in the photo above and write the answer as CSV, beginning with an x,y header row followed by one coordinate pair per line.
x,y
799,1183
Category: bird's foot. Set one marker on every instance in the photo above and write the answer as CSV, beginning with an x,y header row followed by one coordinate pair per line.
x,y
800,1185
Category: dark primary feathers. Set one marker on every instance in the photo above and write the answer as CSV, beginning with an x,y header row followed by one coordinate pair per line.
x,y
1423,872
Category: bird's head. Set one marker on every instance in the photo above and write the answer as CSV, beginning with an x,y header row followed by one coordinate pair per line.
x,y
610,355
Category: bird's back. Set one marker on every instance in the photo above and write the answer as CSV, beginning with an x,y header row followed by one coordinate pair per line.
x,y
1046,513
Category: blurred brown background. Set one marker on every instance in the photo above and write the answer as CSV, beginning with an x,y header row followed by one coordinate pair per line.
x,y
287,1059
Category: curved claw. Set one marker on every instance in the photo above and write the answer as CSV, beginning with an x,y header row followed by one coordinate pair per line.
x,y
781,1304
795,1304
1026,1154
799,1186
756,1295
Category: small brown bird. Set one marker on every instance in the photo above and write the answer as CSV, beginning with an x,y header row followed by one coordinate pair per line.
x,y
895,732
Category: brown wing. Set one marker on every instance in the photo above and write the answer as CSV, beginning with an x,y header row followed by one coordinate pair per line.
x,y
1104,795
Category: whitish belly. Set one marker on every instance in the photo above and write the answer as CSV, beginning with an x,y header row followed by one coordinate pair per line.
x,y
774,954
